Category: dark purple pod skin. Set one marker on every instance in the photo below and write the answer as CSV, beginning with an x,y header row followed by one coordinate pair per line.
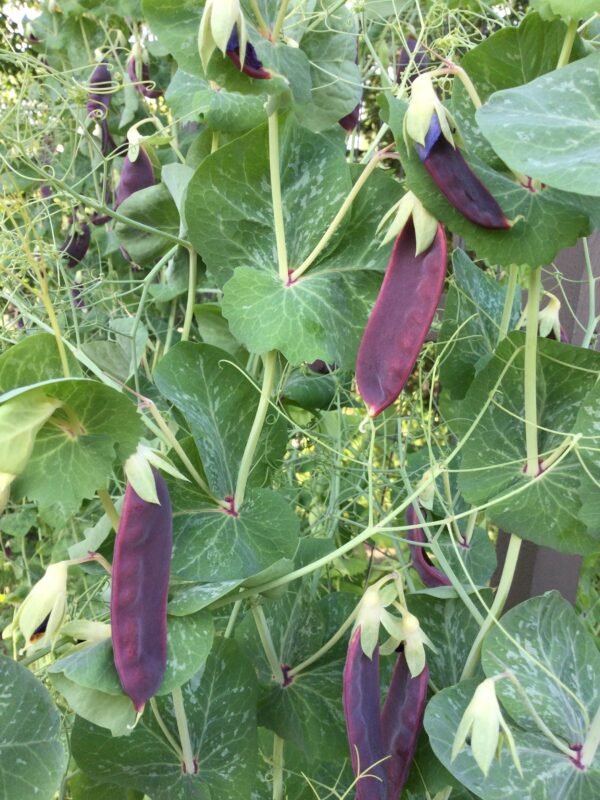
x,y
429,574
350,121
135,175
76,245
420,62
142,87
363,720
400,319
401,722
99,101
457,182
252,64
140,583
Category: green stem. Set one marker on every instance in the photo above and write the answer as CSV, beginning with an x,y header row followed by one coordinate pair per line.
x,y
592,321
592,740
509,301
345,207
184,731
326,647
191,295
166,732
385,78
470,527
278,743
544,729
267,642
279,22
109,508
270,361
232,619
214,144
274,166
508,573
530,385
569,41
262,25
140,310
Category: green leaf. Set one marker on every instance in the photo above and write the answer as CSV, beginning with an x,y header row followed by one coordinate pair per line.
x,y
79,444
549,128
545,221
175,23
229,205
118,356
331,48
153,206
82,787
189,641
111,711
556,661
543,509
589,452
452,629
471,323
510,57
20,420
220,403
547,773
189,599
566,9
32,360
308,712
220,708
478,559
33,755
210,545
320,316
214,328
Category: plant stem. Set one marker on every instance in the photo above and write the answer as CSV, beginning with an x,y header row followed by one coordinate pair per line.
x,y
191,295
232,619
269,361
166,732
274,166
569,41
214,144
530,382
509,301
544,729
279,22
592,321
278,743
184,732
262,25
346,205
109,508
508,573
267,642
592,740
326,647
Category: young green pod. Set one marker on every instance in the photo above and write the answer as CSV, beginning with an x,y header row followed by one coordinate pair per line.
x,y
456,180
401,722
429,574
140,582
400,319
363,720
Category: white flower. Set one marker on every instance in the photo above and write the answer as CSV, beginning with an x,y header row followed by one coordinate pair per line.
x,y
47,600
549,317
219,18
484,722
425,225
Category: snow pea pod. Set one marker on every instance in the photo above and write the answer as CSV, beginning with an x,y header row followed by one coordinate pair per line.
x,y
140,582
400,319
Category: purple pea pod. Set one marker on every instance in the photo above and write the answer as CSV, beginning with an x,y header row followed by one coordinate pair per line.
x,y
457,181
45,191
135,175
429,574
401,722
350,121
99,94
420,60
76,244
252,64
363,720
141,83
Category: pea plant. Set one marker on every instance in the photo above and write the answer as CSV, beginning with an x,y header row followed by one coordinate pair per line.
x,y
278,365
